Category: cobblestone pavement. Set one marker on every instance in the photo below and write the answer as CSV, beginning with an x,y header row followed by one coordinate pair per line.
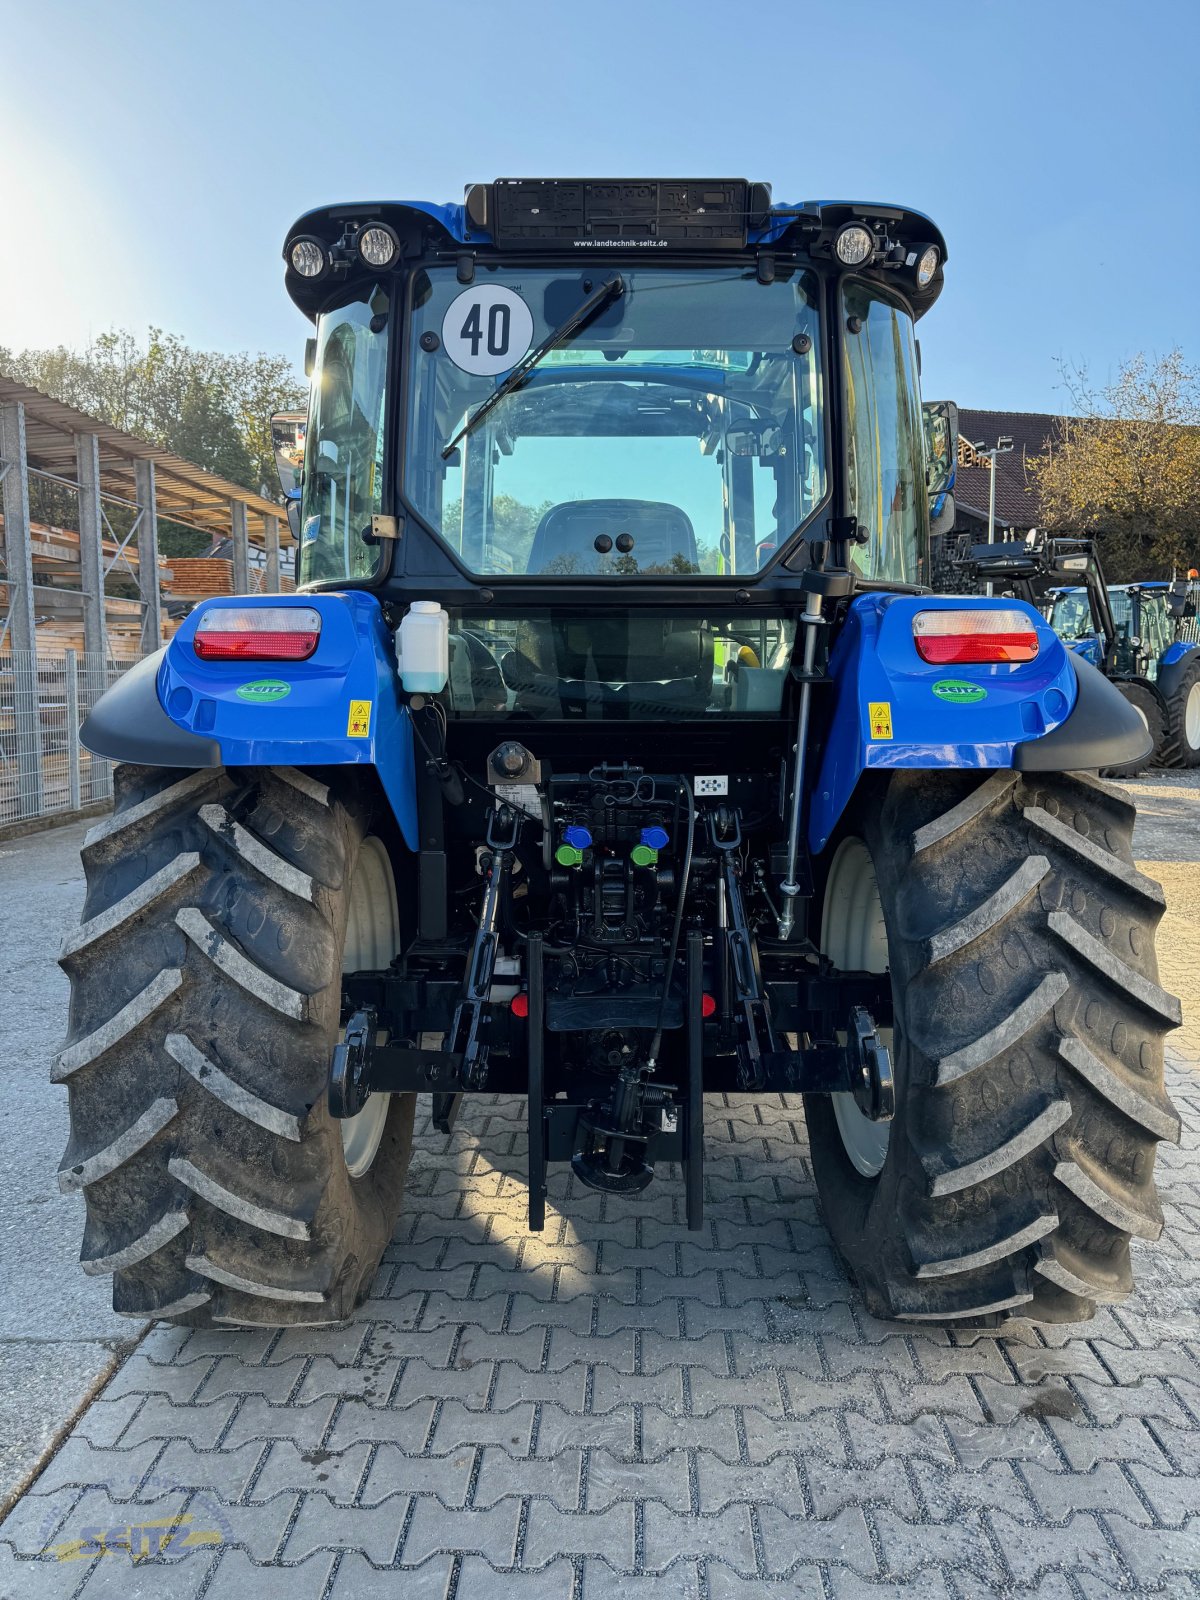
x,y
621,1407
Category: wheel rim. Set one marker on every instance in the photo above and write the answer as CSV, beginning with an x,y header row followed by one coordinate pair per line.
x,y
854,937
1191,717
372,939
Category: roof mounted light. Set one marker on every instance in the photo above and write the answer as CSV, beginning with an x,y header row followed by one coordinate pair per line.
x,y
929,258
854,245
308,258
379,245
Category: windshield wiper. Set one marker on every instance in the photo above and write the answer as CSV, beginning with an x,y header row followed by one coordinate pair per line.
x,y
565,331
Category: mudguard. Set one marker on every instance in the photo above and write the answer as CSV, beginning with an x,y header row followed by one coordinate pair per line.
x,y
343,706
1175,661
892,709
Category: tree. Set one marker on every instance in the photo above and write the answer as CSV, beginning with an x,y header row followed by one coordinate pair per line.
x,y
1127,469
207,406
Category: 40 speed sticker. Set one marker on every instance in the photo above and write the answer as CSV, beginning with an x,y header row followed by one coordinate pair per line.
x,y
487,329
958,692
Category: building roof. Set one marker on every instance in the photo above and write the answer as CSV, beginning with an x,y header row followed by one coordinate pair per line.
x,y
1016,495
183,491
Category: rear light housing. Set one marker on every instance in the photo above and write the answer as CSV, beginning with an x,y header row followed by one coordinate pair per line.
x,y
257,633
974,635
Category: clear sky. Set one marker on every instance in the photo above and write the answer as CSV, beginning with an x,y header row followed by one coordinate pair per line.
x,y
153,154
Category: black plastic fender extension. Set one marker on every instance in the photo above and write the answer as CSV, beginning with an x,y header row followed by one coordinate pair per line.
x,y
128,723
1171,675
1102,730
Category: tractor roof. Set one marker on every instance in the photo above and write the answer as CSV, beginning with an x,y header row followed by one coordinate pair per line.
x,y
679,217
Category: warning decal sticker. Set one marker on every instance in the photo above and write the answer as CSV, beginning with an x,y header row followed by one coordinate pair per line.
x,y
358,724
880,712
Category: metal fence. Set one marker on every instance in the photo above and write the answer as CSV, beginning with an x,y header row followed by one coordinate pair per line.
x,y
43,700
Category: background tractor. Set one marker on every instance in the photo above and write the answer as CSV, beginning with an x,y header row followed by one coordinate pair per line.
x,y
613,752
1137,634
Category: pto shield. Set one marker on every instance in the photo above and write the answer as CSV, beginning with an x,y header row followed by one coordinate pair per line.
x,y
893,709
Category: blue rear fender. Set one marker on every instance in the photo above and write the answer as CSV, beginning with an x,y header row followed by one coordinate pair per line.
x,y
892,709
343,706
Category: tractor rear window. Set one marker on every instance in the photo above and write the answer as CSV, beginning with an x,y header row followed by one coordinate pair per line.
x,y
618,666
680,430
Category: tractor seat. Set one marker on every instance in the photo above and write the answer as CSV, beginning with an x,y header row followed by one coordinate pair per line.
x,y
565,542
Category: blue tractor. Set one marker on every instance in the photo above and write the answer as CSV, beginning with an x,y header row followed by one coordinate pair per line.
x,y
613,753
1136,637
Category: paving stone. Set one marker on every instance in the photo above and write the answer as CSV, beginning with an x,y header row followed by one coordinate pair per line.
x,y
608,1534
1080,1544
337,1473
372,1383
553,1477
238,1578
115,1577
106,1419
721,1483
833,1488
35,1520
393,1472
1153,1554
611,1478
321,1525
79,1462
479,1581
681,1582
944,1490
458,1426
907,1547
140,1376
790,1540
611,1430
491,1533
306,1425
1174,1497
723,1536
159,1419
228,1375
1104,1488
802,1584
357,1420
225,1473
357,1579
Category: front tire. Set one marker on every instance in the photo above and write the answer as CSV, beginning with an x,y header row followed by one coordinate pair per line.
x,y
221,908
1028,1045
1183,743
1149,707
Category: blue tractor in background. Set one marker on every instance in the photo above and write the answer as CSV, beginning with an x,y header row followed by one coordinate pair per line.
x,y
613,753
1136,638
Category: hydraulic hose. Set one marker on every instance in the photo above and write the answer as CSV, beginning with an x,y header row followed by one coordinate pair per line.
x,y
677,926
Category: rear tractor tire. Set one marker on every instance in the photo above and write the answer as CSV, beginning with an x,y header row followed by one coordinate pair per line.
x,y
1028,1049
222,908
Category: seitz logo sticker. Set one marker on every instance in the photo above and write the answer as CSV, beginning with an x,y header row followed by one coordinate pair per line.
x,y
957,692
880,712
358,723
264,691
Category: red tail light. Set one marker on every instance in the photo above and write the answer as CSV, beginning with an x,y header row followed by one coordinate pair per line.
x,y
257,633
958,638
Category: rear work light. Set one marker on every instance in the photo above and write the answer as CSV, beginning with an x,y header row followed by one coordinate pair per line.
x,y
258,633
957,638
